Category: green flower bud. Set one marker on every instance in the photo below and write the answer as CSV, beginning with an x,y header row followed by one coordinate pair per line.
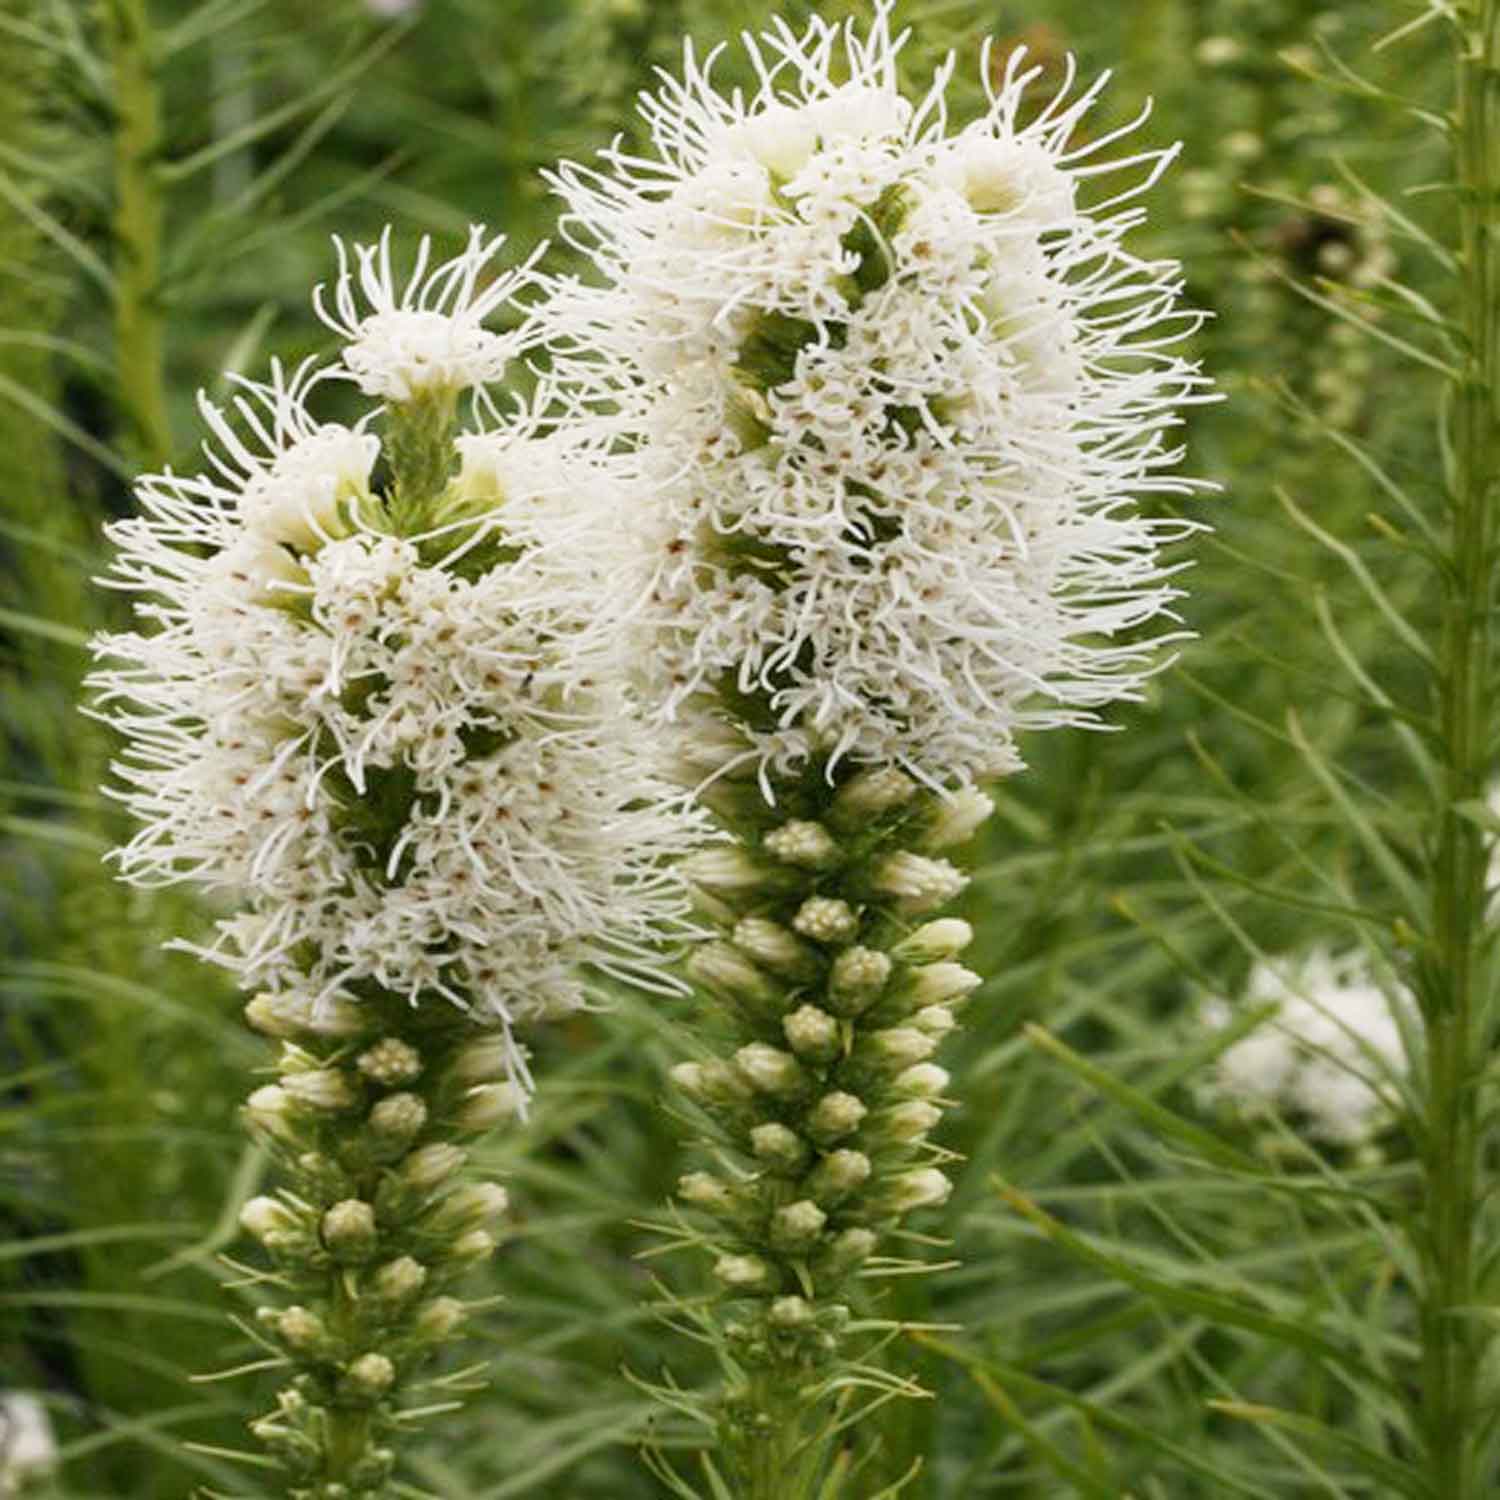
x,y
956,819
839,1173
775,948
812,1033
726,971
302,1331
791,1312
742,1272
484,1060
397,1121
704,1190
275,1225
325,1089
924,1081
471,1249
916,883
466,1208
778,1146
368,1378
904,1124
390,1062
274,1113
835,1116
857,978
398,1281
489,1105
769,1070
431,1166
924,1188
852,1248
439,1319
826,919
806,846
797,1226
349,1233
871,795
934,941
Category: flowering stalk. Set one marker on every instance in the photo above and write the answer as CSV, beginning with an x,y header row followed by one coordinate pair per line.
x,y
138,226
827,1004
382,719
883,395
1453,979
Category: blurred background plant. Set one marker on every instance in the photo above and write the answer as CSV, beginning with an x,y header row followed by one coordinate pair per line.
x,y
169,175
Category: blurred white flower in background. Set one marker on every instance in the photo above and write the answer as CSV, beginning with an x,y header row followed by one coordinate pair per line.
x,y
1325,1058
28,1450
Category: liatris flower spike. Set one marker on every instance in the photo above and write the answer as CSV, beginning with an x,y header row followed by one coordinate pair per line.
x,y
886,396
380,717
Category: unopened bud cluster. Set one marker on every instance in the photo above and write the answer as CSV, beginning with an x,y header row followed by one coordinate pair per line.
x,y
378,1221
838,980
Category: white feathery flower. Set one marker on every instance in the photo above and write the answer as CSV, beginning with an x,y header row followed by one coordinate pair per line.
x,y
428,336
893,399
28,1448
404,754
1327,1054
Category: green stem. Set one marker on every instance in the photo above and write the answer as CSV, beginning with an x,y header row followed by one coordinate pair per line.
x,y
1454,997
138,230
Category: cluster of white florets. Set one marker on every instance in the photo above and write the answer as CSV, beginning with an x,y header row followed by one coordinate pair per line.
x,y
1329,1055
402,752
893,395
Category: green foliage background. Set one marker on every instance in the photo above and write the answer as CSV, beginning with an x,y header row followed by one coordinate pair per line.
x,y
1126,875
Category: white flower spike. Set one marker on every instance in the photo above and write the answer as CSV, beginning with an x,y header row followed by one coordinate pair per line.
x,y
894,395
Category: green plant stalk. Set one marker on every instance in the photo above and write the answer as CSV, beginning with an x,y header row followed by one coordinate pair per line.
x,y
1454,998
139,360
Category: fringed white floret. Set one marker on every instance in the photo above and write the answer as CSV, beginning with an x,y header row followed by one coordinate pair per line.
x,y
403,753
893,397
429,335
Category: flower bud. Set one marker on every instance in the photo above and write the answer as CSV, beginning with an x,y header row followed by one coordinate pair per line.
x,y
397,1121
302,1331
938,984
733,874
471,1249
924,1081
916,883
325,1089
369,1377
438,1319
791,1312
839,1174
934,941
896,1047
349,1233
826,919
797,1226
778,1146
484,1060
775,948
712,1082
871,795
742,1272
398,1281
904,1124
924,1188
289,1015
704,1190
273,1112
852,1248
466,1208
275,1225
812,1033
936,1020
857,978
956,819
835,1116
806,846
390,1062
488,1105
431,1166
726,971
768,1070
